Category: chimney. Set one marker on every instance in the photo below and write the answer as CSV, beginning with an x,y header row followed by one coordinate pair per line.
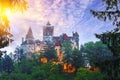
x,y
22,39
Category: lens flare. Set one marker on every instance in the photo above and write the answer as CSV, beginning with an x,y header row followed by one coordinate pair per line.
x,y
8,13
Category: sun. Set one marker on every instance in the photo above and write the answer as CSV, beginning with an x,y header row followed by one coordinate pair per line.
x,y
8,12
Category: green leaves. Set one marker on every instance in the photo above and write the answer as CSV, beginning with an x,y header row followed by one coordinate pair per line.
x,y
84,74
7,64
47,71
112,40
50,53
96,52
111,4
67,52
112,12
77,59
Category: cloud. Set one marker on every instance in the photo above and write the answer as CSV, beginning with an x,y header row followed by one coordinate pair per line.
x,y
65,15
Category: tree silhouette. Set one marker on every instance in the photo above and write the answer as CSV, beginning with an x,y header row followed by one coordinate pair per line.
x,y
112,12
111,38
5,6
7,64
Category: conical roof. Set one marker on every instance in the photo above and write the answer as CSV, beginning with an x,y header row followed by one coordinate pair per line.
x,y
48,23
29,34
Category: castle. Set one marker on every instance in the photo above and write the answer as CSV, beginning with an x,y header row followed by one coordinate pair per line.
x,y
30,45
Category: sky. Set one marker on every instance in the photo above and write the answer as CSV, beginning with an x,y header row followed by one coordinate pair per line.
x,y
66,16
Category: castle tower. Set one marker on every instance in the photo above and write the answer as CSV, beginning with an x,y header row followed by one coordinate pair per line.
x,y
76,38
48,32
29,43
29,35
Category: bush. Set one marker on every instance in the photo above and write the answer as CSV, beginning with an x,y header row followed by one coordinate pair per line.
x,y
84,74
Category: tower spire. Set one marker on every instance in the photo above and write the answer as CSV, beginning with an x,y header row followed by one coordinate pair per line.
x,y
48,23
29,34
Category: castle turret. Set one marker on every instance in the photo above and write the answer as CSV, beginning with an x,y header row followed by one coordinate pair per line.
x,y
48,32
29,35
76,38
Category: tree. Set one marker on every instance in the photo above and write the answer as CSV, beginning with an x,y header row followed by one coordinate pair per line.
x,y
5,6
67,52
47,71
7,64
15,76
111,12
18,56
111,38
18,76
26,65
77,59
97,52
84,74
50,54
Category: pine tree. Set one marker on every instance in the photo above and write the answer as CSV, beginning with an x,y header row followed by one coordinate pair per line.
x,y
111,12
7,64
111,38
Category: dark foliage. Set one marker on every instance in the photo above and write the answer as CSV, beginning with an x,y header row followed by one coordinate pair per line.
x,y
111,38
50,54
112,12
7,64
